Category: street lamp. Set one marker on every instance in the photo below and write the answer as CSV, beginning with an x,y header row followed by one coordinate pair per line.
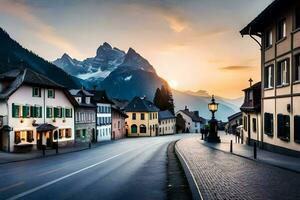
x,y
213,123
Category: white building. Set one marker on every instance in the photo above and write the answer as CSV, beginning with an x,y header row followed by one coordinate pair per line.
x,y
104,117
36,112
193,122
279,40
167,123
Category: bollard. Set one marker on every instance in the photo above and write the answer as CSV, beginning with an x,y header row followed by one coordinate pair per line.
x,y
56,147
254,150
230,146
44,148
201,136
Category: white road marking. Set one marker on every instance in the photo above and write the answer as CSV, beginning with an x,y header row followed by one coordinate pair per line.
x,y
69,175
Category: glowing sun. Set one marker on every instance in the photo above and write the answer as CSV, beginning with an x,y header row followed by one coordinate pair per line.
x,y
173,84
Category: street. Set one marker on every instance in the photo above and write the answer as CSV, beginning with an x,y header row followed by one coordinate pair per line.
x,y
126,169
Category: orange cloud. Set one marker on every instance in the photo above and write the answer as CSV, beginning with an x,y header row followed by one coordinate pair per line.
x,y
42,30
237,68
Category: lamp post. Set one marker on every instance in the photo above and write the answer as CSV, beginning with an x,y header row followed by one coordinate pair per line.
x,y
213,123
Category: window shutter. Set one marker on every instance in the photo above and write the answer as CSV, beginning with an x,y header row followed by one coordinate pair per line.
x,y
55,112
40,113
278,70
14,111
266,71
297,128
47,112
40,92
62,111
287,126
280,127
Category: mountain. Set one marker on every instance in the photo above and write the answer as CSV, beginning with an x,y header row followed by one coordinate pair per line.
x,y
106,60
12,54
134,77
200,103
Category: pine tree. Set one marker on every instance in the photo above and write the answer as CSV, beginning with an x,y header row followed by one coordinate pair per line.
x,y
163,99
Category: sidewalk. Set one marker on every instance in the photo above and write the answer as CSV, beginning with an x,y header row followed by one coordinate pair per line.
x,y
16,157
279,160
215,174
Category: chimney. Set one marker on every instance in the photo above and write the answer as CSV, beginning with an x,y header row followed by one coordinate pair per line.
x,y
196,113
186,108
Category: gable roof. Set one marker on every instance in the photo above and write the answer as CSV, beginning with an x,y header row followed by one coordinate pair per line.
x,y
138,104
258,23
234,116
100,96
193,116
166,114
80,93
25,76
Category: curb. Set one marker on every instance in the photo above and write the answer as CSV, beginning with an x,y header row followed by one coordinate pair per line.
x,y
252,159
189,175
46,156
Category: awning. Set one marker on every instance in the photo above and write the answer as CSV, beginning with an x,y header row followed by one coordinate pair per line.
x,y
45,127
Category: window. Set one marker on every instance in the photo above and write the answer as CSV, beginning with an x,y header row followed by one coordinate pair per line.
x,y
51,93
68,133
36,111
150,116
68,112
297,128
23,137
143,128
297,68
254,125
269,127
269,76
55,135
36,92
133,116
16,113
61,133
245,123
57,112
297,18
269,39
283,73
142,116
26,111
283,127
281,29
133,128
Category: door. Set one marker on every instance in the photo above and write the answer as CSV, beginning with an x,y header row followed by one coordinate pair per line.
x,y
39,136
49,138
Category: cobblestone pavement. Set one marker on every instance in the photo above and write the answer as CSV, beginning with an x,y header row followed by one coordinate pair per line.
x,y
221,175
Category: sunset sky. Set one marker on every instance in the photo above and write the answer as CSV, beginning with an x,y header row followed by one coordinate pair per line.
x,y
193,44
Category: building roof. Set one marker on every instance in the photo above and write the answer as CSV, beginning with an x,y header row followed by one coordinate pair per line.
x,y
252,104
80,93
120,104
138,104
45,127
194,115
234,116
256,26
19,77
117,110
166,114
100,96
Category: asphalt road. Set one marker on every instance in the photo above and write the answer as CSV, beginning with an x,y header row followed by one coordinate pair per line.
x,y
132,169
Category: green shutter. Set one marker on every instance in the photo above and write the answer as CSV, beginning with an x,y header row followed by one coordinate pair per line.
x,y
62,112
25,111
55,112
15,113
40,113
